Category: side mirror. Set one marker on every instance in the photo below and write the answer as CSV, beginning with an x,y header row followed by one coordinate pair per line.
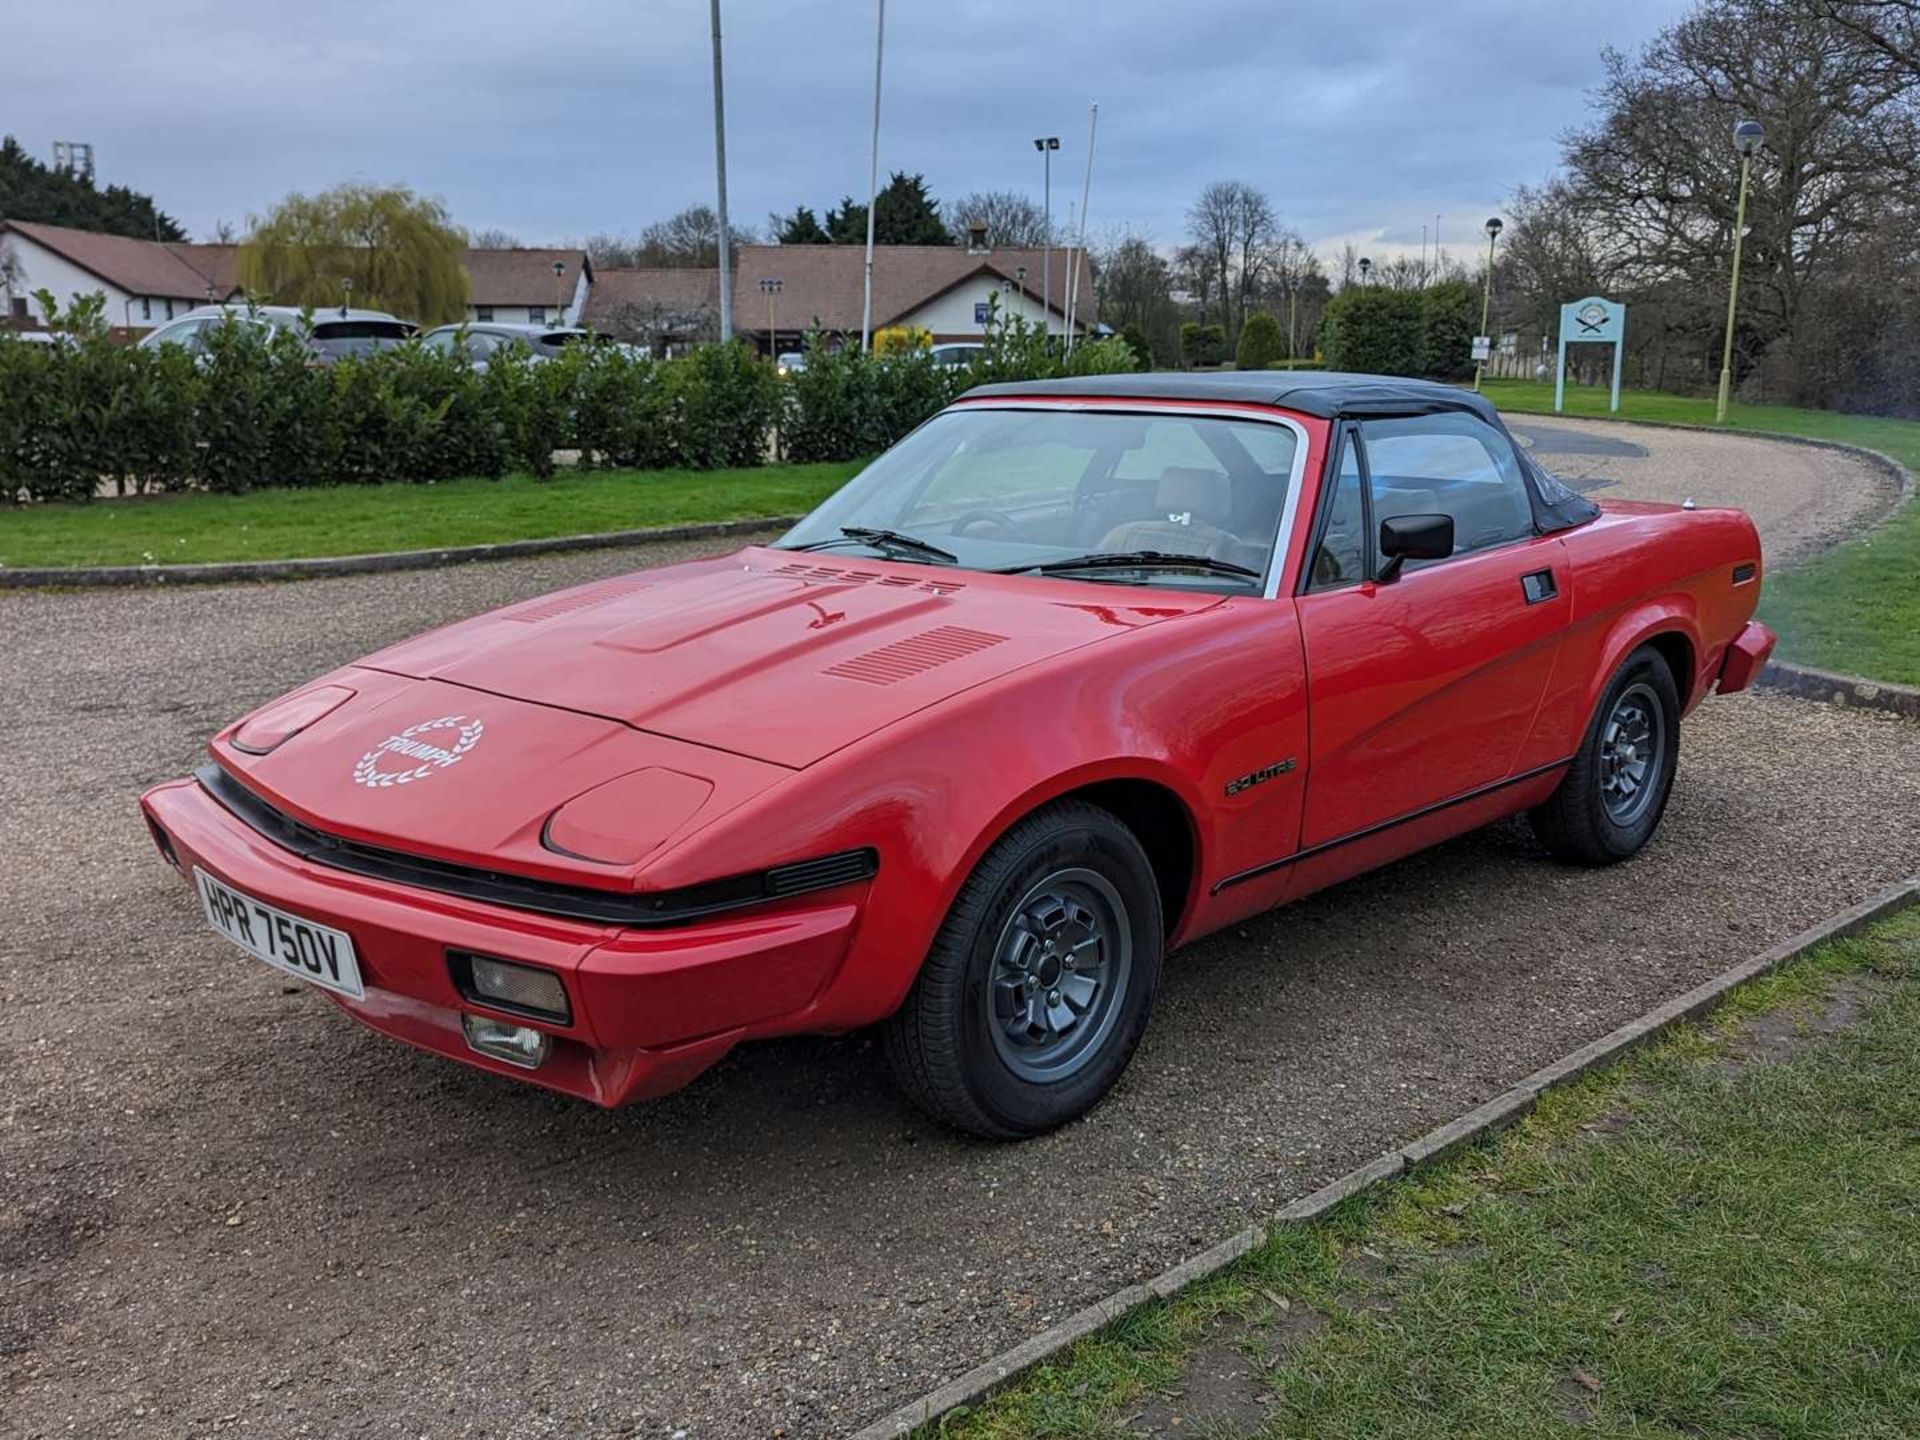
x,y
1413,537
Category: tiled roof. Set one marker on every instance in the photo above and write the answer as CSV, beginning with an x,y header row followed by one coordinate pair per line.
x,y
670,292
823,282
138,267
523,277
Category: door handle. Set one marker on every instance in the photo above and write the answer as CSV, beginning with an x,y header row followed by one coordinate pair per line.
x,y
1538,585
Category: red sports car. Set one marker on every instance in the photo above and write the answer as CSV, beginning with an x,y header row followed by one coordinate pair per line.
x,y
1076,672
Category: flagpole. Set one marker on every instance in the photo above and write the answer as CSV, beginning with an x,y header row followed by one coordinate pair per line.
x,y
873,178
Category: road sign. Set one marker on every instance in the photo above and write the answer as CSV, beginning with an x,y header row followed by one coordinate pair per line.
x,y
1592,321
1482,347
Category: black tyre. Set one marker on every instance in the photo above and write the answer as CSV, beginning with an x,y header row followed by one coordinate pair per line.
x,y
1040,983
1610,801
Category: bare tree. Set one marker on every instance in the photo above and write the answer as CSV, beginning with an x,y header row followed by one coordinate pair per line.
x,y
1890,26
1136,291
687,240
1659,171
493,240
1012,219
1234,225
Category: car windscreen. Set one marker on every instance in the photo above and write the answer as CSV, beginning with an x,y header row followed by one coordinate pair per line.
x,y
335,338
1007,488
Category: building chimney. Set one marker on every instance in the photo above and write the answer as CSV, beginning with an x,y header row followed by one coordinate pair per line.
x,y
977,239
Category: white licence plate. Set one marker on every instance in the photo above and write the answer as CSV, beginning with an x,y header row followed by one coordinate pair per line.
x,y
316,953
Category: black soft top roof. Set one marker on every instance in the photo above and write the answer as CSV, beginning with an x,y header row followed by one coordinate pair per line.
x,y
1325,393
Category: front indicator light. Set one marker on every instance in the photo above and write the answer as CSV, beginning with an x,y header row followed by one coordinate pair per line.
x,y
525,988
520,1045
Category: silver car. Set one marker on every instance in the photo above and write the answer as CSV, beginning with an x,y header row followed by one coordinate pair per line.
x,y
328,334
480,340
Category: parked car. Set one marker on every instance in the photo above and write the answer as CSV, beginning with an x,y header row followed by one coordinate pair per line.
x,y
791,362
479,341
328,334
34,337
1077,672
957,353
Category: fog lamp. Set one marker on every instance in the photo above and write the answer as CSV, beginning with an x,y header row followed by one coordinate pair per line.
x,y
520,1045
527,988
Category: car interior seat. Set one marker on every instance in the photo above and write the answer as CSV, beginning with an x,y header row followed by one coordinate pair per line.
x,y
1191,506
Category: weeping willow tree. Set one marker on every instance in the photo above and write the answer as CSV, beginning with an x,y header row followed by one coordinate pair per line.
x,y
382,248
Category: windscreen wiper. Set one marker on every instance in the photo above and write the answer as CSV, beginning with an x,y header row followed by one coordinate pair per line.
x,y
1133,560
884,540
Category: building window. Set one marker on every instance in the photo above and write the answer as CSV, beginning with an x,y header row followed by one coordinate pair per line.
x,y
146,307
19,307
169,309
483,312
536,314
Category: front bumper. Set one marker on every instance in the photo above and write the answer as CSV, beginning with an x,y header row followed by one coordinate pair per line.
x,y
651,1009
1746,657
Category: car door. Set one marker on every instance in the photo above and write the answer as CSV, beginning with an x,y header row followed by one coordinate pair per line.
x,y
1421,690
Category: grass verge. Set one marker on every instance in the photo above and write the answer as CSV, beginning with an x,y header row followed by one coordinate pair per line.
x,y
1856,608
363,519
1718,1237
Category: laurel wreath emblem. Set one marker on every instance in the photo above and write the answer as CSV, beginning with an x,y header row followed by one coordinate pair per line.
x,y
367,772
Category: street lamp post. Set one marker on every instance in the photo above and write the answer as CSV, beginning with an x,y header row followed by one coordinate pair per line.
x,y
559,292
771,288
1747,136
1046,145
1366,265
1486,300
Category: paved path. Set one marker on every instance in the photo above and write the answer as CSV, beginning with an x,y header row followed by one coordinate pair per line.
x,y
225,1209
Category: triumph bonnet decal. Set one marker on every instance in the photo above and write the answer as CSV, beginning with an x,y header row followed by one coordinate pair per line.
x,y
419,750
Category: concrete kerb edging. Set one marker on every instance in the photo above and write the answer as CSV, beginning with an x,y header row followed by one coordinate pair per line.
x,y
1838,689
224,572
1504,1109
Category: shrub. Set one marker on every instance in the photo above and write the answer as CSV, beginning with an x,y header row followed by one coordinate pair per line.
x,y
251,409
1261,342
1136,340
1449,319
1202,344
1374,330
901,340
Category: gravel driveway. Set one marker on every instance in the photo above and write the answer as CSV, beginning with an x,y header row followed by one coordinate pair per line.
x,y
226,1209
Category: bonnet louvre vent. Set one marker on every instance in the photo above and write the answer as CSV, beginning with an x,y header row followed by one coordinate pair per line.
x,y
914,655
868,577
560,605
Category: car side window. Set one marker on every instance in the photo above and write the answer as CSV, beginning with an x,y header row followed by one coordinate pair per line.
x,y
1342,556
1448,464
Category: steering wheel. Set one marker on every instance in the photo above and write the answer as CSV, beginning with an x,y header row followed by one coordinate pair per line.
x,y
1008,526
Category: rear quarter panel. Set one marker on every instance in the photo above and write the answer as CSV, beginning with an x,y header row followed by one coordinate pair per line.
x,y
1642,571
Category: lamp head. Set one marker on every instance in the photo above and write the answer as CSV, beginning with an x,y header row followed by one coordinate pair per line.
x,y
1748,135
1494,227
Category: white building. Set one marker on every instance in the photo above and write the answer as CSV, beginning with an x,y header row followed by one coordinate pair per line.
x,y
146,282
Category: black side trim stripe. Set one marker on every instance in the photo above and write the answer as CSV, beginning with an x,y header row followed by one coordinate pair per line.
x,y
575,902
1294,859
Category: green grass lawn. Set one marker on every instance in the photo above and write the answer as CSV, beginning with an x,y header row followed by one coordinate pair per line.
x,y
1856,608
359,519
1717,1238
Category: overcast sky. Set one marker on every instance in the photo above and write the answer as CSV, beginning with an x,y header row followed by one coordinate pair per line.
x,y
1363,119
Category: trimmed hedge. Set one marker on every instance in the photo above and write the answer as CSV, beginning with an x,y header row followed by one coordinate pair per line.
x,y
253,411
1378,331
